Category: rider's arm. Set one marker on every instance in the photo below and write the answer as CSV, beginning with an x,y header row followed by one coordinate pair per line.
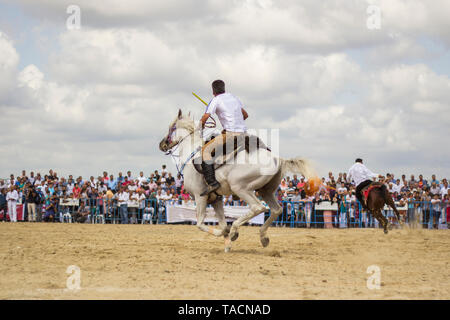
x,y
204,119
371,174
349,176
244,113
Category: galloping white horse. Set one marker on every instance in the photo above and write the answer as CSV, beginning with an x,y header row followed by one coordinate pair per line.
x,y
242,177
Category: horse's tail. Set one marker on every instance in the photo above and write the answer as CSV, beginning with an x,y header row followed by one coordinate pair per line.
x,y
297,165
387,197
389,201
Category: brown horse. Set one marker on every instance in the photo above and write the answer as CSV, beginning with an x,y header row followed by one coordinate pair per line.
x,y
378,197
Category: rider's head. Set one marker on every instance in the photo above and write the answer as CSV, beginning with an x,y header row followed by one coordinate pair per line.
x,y
359,160
218,87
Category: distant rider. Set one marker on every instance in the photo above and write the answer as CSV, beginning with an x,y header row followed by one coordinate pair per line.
x,y
362,177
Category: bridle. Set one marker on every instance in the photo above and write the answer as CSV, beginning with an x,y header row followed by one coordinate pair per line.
x,y
209,124
176,144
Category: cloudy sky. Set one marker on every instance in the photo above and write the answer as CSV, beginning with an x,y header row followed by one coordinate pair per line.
x,y
100,97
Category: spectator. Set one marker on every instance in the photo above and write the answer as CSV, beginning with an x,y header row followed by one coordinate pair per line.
x,y
76,191
422,183
444,189
133,206
3,203
132,187
178,183
156,176
105,178
130,178
433,179
3,185
12,197
170,180
51,209
126,182
82,214
102,187
447,209
435,211
112,183
164,170
412,182
435,190
32,201
122,198
120,179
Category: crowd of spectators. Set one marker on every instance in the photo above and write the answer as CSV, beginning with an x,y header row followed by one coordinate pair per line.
x,y
42,195
429,199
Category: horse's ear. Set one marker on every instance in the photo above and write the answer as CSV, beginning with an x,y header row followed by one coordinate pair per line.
x,y
179,113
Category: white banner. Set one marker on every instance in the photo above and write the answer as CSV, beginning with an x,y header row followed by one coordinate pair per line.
x,y
183,213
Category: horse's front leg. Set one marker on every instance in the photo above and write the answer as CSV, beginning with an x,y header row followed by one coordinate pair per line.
x,y
201,215
218,209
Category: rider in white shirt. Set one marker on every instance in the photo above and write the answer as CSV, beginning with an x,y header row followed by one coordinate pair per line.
x,y
232,115
362,178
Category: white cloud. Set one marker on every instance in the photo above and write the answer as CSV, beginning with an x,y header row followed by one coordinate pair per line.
x,y
9,60
106,96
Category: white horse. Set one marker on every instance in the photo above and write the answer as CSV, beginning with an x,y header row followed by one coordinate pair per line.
x,y
241,177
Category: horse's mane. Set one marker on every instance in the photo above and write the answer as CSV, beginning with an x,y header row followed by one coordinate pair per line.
x,y
186,122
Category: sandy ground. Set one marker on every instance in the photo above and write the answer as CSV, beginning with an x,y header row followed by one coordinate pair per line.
x,y
181,262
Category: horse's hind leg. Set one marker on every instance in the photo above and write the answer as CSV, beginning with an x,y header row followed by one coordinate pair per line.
x,y
391,203
275,211
256,207
218,209
382,219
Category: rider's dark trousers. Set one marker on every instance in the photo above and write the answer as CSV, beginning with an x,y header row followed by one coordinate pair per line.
x,y
361,186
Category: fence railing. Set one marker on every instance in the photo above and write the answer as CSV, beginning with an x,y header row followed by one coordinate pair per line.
x,y
295,214
351,215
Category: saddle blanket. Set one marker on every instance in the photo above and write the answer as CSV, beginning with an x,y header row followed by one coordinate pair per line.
x,y
366,191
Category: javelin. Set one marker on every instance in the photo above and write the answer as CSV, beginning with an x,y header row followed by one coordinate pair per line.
x,y
200,99
210,125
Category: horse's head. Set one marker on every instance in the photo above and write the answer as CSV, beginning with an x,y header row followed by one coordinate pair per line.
x,y
174,136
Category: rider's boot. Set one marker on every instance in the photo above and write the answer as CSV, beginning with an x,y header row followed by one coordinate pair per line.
x,y
363,202
210,177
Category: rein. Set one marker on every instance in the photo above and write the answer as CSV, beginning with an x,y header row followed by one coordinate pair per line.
x,y
209,124
175,147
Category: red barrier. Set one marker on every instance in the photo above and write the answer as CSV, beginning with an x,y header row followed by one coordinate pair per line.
x,y
19,208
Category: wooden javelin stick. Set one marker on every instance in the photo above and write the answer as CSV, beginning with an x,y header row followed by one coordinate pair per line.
x,y
213,125
200,99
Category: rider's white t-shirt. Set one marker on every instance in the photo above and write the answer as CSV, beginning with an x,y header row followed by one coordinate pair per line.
x,y
359,173
229,110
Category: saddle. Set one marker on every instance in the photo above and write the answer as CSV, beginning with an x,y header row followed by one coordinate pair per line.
x,y
366,190
246,142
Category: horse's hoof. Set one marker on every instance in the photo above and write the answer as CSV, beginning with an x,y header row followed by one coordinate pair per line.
x,y
385,231
391,226
265,241
227,250
235,236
